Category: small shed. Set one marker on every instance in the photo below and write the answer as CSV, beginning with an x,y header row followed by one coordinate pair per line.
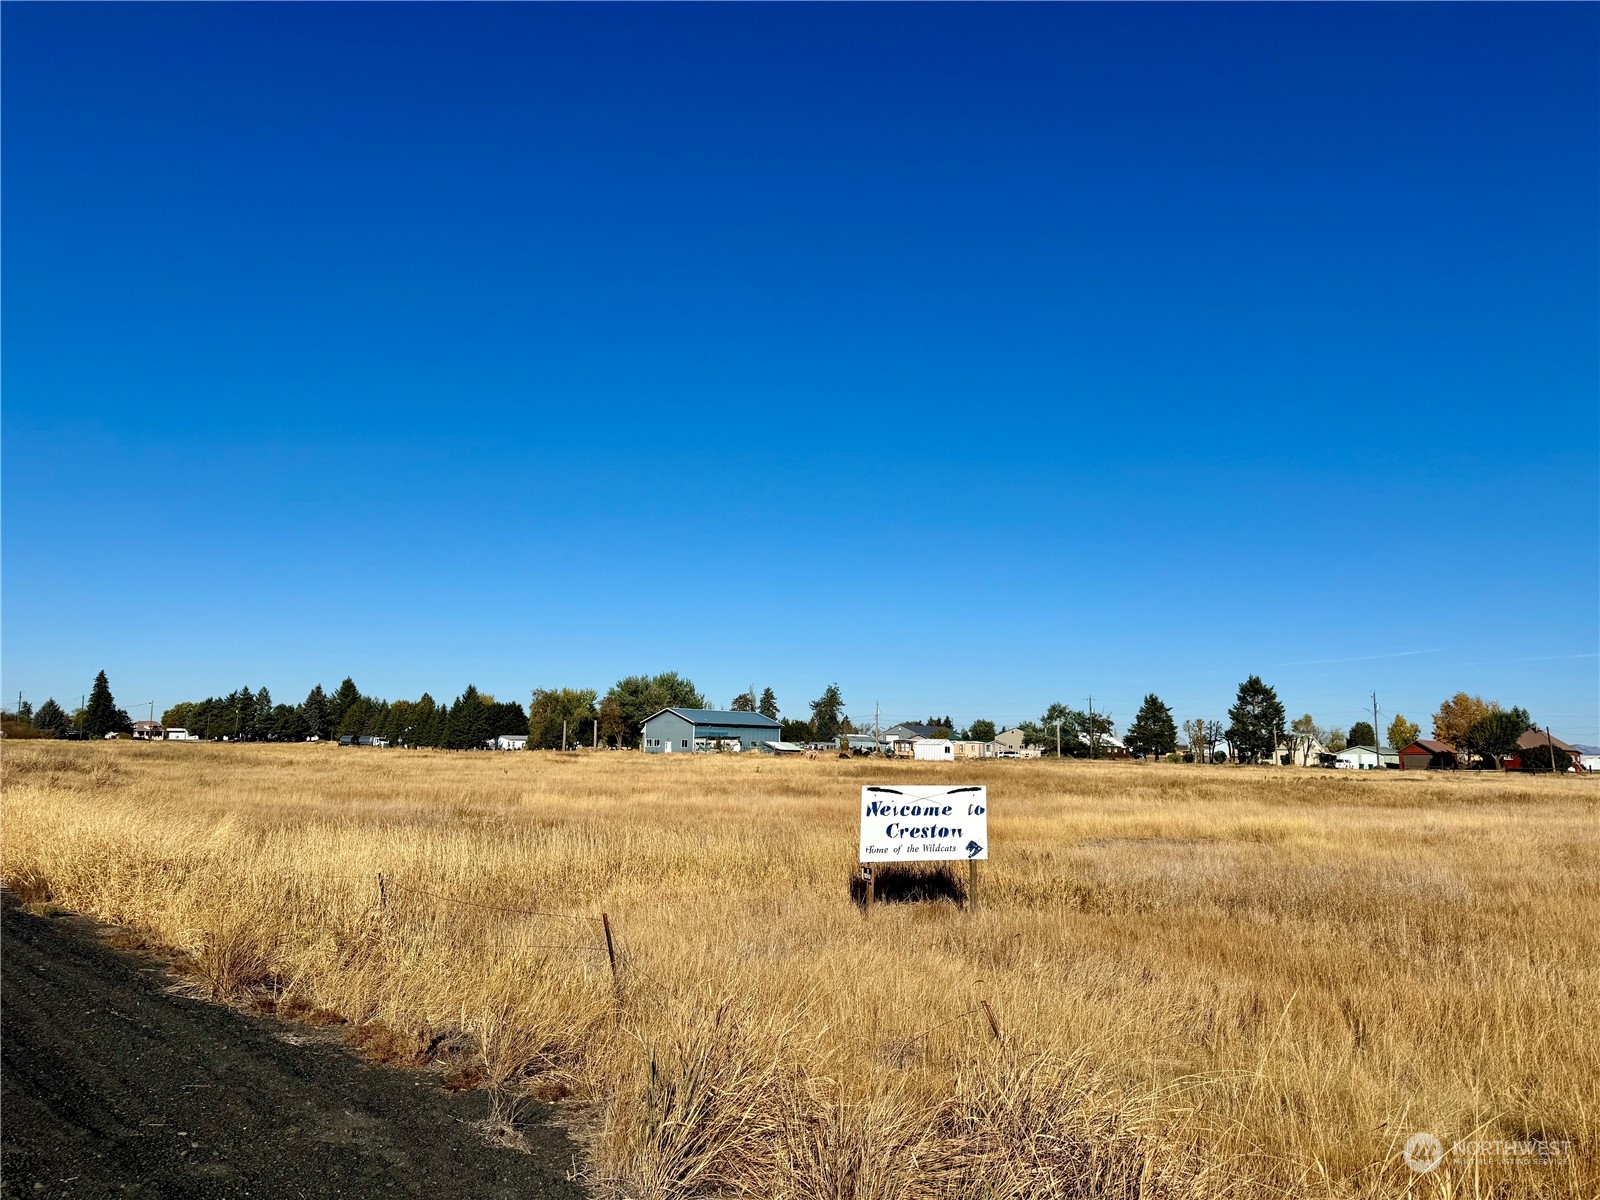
x,y
1365,758
1427,755
683,730
933,749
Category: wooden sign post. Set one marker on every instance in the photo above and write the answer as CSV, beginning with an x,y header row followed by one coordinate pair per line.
x,y
918,823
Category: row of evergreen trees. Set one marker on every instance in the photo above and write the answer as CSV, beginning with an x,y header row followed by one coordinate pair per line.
x,y
251,716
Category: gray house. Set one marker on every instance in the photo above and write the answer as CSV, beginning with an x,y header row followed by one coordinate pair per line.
x,y
684,730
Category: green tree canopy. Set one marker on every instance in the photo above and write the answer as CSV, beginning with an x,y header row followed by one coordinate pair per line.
x,y
982,730
826,714
314,710
51,718
1361,734
1059,716
768,707
339,703
641,696
795,731
1495,735
357,714
1535,758
550,707
288,724
467,725
745,701
1153,730
1255,722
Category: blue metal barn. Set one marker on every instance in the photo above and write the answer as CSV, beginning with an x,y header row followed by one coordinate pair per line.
x,y
684,730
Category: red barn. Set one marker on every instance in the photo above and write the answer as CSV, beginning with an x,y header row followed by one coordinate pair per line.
x,y
1427,755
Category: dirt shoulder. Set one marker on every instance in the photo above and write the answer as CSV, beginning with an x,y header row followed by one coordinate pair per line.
x,y
109,1085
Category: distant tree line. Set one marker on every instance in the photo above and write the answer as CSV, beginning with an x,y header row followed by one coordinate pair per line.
x,y
1255,732
251,716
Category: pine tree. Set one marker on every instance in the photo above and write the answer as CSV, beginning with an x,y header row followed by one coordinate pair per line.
x,y
263,712
1153,731
102,715
825,714
50,718
315,712
244,703
438,725
339,703
769,704
467,727
354,722
744,701
1256,722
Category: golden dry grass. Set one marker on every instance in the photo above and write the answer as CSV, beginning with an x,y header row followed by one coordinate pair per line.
x,y
1208,981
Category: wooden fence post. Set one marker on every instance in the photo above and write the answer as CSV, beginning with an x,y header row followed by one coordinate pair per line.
x,y
383,893
972,884
611,955
994,1022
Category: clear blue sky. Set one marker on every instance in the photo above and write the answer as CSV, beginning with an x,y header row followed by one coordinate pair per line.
x,y
970,357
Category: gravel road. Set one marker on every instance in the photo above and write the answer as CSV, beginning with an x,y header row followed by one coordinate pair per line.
x,y
109,1086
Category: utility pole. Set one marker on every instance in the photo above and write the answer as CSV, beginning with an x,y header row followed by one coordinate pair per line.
x,y
877,727
1549,745
1094,733
563,735
1376,736
1058,737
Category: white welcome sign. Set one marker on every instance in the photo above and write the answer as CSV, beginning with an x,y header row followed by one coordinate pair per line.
x,y
917,823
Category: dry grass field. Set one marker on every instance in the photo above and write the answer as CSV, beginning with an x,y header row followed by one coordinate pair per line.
x,y
1204,981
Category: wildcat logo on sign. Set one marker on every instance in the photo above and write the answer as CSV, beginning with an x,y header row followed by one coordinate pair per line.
x,y
924,824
